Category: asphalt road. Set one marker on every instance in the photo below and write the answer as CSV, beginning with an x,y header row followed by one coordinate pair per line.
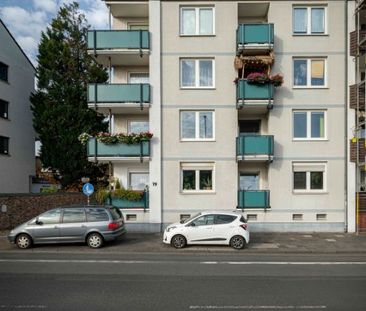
x,y
140,281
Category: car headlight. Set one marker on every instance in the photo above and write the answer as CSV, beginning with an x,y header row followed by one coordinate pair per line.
x,y
170,229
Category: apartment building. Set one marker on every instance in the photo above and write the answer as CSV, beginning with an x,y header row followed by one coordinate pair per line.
x,y
356,115
17,160
203,78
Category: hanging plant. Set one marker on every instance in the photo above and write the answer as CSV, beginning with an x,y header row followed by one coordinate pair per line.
x,y
258,78
118,138
277,79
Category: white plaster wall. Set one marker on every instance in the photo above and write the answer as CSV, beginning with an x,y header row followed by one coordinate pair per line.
x,y
16,168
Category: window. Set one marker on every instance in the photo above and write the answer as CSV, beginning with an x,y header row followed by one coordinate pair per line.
x,y
4,145
309,125
197,125
50,217
138,126
138,181
197,73
139,77
249,181
309,20
206,220
4,72
197,21
309,72
197,177
309,177
73,215
94,215
138,26
224,219
4,109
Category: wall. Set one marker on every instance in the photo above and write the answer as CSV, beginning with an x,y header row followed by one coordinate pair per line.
x,y
23,207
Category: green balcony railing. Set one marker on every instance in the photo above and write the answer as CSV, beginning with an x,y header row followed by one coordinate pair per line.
x,y
253,199
123,203
246,91
98,149
255,34
255,145
119,93
118,39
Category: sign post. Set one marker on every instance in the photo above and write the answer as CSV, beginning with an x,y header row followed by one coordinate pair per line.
x,y
88,190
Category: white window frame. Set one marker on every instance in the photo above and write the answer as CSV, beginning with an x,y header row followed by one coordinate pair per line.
x,y
136,72
308,190
197,73
135,171
308,126
197,125
197,15
208,166
308,30
135,120
308,71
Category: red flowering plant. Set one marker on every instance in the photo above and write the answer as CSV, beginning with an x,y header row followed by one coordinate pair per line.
x,y
258,78
277,80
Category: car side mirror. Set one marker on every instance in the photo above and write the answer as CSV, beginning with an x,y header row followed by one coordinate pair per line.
x,y
39,222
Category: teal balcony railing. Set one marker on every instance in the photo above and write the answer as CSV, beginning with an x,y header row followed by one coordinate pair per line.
x,y
118,39
246,91
255,145
254,34
253,199
124,203
119,93
98,149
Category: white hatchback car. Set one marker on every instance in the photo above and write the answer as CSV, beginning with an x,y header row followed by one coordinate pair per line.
x,y
209,228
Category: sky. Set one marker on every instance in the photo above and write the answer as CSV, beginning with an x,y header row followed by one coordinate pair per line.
x,y
26,19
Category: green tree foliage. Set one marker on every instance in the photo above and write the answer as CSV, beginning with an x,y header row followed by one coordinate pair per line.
x,y
60,112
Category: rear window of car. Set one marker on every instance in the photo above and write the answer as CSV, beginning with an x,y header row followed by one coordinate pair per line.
x,y
224,219
96,214
116,213
243,220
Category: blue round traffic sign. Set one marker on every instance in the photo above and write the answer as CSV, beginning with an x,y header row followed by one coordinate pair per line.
x,y
88,189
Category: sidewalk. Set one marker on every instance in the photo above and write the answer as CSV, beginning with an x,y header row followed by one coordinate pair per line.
x,y
279,243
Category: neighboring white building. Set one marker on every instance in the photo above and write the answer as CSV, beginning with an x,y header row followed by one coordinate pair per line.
x,y
17,160
277,155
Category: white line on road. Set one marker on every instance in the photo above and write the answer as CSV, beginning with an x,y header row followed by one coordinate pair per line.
x,y
326,263
259,307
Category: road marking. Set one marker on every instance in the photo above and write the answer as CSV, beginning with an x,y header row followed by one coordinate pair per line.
x,y
259,307
325,263
22,307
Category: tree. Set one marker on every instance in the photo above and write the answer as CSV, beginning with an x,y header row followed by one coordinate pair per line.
x,y
59,105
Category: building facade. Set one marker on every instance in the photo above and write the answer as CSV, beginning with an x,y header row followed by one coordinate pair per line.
x,y
17,157
205,78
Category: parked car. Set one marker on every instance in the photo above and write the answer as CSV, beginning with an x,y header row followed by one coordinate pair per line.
x,y
209,228
70,224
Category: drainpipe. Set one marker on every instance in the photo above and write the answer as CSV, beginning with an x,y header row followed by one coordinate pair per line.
x,y
346,113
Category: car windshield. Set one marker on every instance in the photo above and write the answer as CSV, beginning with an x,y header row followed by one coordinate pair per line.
x,y
190,218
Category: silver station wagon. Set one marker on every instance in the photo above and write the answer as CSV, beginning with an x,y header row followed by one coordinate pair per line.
x,y
71,224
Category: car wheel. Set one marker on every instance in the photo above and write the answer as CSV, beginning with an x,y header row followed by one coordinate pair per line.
x,y
179,241
94,240
237,242
23,241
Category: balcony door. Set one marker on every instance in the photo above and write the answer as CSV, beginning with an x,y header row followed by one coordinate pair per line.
x,y
249,127
249,181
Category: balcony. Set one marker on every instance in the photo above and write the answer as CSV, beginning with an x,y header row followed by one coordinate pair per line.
x,y
253,199
255,148
357,42
118,96
102,152
256,37
143,203
361,150
254,96
119,47
353,96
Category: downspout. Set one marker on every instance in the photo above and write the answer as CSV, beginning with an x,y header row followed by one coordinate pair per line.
x,y
161,127
346,113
